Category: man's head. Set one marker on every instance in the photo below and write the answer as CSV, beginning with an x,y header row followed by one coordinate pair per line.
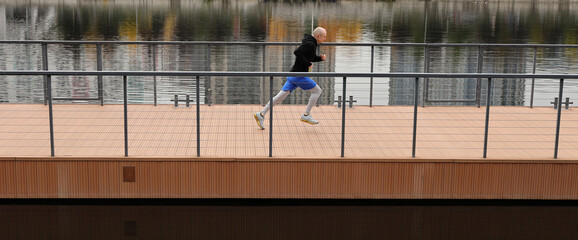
x,y
320,34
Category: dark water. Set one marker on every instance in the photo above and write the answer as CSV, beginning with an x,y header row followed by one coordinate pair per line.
x,y
244,219
552,22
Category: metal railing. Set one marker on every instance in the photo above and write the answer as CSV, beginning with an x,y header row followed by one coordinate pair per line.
x,y
197,74
208,44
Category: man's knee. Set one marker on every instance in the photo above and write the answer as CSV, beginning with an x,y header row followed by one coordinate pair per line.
x,y
282,93
316,90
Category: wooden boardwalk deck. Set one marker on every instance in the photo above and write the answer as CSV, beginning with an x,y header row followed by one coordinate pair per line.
x,y
89,157
229,131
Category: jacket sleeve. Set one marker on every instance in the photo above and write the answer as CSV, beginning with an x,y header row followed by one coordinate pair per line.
x,y
317,59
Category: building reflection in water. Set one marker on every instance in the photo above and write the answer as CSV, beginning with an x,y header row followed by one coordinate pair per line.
x,y
272,21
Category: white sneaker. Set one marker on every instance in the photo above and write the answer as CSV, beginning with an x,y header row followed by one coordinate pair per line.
x,y
260,119
308,119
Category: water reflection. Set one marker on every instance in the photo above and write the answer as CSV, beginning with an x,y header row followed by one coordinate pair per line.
x,y
286,21
287,222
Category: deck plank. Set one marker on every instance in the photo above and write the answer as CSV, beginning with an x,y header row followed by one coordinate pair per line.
x,y
383,132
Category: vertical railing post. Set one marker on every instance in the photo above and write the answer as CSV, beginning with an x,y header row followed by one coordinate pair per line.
x,y
198,117
480,70
533,79
125,100
318,78
264,51
426,70
154,53
371,78
415,103
50,113
208,78
271,116
343,117
45,67
488,103
559,118
264,77
99,68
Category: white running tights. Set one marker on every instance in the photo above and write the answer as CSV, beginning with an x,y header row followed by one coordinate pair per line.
x,y
315,93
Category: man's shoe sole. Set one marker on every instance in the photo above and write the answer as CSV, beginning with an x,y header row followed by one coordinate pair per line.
x,y
257,119
303,120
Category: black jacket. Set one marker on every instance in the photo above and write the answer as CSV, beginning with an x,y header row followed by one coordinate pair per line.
x,y
305,53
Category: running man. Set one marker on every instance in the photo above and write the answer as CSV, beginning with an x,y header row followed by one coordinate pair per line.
x,y
305,55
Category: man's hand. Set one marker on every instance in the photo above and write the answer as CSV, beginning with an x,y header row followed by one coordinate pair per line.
x,y
322,57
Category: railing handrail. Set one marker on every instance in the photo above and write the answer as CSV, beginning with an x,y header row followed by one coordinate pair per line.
x,y
521,45
288,74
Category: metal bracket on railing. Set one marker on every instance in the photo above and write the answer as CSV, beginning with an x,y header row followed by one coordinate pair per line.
x,y
566,103
350,101
187,100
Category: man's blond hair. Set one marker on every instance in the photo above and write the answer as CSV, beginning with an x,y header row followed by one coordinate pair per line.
x,y
319,31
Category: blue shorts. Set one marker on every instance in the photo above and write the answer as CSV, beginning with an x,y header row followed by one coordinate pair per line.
x,y
304,83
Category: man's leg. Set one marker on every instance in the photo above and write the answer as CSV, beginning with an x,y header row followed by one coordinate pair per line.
x,y
276,100
260,116
315,93
285,90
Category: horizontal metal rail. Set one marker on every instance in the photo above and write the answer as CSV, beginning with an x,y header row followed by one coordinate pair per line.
x,y
289,74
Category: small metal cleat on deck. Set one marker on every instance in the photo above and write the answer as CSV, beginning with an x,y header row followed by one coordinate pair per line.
x,y
350,101
566,103
187,100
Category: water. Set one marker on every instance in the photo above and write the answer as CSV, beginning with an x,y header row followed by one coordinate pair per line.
x,y
271,21
282,219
